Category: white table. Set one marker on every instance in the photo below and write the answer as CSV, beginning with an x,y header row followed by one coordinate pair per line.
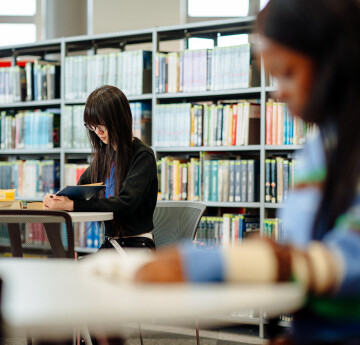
x,y
79,217
49,297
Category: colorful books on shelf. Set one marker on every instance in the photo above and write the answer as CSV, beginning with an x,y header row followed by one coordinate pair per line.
x,y
88,235
221,68
179,179
224,180
130,71
275,229
227,230
282,128
74,132
228,123
279,178
72,173
29,129
37,80
141,113
235,180
30,178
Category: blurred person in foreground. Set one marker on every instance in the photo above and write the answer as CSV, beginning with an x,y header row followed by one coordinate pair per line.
x,y
312,47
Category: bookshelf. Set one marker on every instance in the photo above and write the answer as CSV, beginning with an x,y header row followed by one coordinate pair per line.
x,y
155,40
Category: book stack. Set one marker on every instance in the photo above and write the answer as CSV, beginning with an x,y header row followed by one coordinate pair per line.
x,y
130,71
227,230
279,178
221,68
32,81
30,178
29,129
283,129
228,123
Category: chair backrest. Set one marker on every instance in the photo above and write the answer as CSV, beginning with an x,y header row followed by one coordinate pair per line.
x,y
175,221
36,234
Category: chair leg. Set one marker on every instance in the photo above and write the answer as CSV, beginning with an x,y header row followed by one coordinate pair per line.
x,y
140,335
197,332
86,335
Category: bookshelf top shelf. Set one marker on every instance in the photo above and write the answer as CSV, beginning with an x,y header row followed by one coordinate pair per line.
x,y
37,152
271,88
283,147
276,205
207,94
31,104
207,148
32,49
144,97
227,26
75,151
231,204
109,40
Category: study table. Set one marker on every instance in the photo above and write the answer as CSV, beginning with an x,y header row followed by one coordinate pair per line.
x,y
48,298
79,217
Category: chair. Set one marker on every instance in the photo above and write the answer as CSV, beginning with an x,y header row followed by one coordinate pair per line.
x,y
175,221
36,234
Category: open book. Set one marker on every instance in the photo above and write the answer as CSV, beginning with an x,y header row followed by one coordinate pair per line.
x,y
81,192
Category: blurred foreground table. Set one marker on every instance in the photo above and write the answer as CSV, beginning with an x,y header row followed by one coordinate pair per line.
x,y
49,298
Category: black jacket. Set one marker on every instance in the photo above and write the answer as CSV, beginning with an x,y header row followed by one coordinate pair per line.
x,y
136,201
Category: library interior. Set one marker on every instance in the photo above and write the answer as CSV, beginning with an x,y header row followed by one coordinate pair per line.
x,y
177,172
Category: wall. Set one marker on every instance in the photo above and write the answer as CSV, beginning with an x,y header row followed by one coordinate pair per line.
x,y
61,18
122,15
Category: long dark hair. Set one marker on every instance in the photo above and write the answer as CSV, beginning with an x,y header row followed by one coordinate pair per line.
x,y
327,31
108,106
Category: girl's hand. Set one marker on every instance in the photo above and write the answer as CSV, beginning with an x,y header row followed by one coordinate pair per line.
x,y
165,268
54,202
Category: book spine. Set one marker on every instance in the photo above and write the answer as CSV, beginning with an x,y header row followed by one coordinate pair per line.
x,y
267,180
244,186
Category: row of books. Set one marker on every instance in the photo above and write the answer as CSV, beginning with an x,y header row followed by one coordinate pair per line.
x,y
231,180
130,71
31,234
74,133
141,114
33,81
282,128
234,180
275,229
279,179
227,230
221,68
29,129
73,172
229,123
179,180
88,235
30,178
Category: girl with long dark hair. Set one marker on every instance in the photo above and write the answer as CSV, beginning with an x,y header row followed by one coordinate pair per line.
x,y
313,48
125,164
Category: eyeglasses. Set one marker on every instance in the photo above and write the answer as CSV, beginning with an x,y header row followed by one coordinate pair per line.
x,y
93,128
